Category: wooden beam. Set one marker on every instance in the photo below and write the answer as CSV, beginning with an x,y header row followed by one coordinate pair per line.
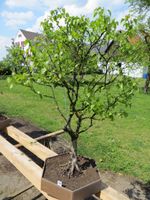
x,y
45,136
24,164
50,135
109,193
31,144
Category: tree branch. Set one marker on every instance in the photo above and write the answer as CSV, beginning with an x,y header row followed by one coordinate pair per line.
x,y
57,105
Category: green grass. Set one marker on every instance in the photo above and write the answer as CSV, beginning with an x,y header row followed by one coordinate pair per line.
x,y
120,146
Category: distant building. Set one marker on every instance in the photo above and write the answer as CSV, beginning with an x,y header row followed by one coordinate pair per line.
x,y
24,35
134,70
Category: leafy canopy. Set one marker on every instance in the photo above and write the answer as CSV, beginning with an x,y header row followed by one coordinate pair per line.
x,y
84,57
143,6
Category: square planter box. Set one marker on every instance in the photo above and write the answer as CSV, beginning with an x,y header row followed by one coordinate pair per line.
x,y
4,122
63,192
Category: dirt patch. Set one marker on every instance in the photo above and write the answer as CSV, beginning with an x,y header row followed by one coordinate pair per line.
x,y
12,181
2,117
4,121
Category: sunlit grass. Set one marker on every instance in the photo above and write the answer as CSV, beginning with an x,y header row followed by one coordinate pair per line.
x,y
121,146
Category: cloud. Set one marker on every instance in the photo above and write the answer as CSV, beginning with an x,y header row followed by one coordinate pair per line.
x,y
14,19
4,41
84,10
40,3
90,5
37,27
116,2
21,3
58,3
73,9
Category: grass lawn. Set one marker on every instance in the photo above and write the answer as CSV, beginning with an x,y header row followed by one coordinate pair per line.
x,y
120,146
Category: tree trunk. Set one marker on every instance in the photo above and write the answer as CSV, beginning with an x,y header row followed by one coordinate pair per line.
x,y
74,144
147,82
74,164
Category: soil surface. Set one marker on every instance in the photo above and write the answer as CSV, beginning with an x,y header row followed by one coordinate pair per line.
x,y
2,117
57,168
12,182
4,121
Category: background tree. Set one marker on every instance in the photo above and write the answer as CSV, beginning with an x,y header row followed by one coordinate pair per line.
x,y
145,51
143,29
3,69
72,53
15,58
143,6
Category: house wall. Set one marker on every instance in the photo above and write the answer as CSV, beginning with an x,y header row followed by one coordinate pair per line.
x,y
135,73
20,39
134,70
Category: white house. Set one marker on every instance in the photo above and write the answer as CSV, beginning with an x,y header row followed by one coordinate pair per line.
x,y
24,35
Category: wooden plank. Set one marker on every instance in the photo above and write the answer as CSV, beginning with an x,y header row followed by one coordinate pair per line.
x,y
31,144
45,136
24,164
111,194
50,135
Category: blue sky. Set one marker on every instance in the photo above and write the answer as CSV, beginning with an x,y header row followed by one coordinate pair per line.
x,y
27,14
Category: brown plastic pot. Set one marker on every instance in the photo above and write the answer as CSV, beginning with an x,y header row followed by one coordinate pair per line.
x,y
4,122
63,193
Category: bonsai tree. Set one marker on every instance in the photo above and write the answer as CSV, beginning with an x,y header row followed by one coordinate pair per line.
x,y
83,56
